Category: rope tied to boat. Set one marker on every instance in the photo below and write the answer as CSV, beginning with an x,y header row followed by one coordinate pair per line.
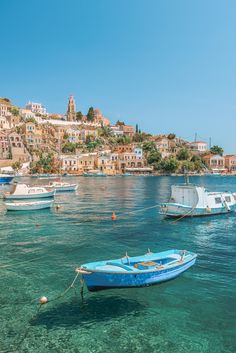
x,y
44,300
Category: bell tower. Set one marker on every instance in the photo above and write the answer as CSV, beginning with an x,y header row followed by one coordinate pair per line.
x,y
71,112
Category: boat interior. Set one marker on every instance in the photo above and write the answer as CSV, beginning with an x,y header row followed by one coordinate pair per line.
x,y
127,264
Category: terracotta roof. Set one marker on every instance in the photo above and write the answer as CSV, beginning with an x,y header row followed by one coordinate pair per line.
x,y
230,155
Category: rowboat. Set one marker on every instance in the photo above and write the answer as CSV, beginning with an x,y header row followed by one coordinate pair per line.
x,y
61,186
28,206
139,271
23,191
6,178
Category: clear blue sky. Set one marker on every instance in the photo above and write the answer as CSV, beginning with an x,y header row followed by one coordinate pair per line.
x,y
168,65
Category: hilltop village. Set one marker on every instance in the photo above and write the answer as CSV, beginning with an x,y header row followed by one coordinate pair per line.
x,y
34,141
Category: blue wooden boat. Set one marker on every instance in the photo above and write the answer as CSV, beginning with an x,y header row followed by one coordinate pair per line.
x,y
139,271
6,178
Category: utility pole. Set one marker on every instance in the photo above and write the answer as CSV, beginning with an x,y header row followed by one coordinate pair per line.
x,y
209,143
195,137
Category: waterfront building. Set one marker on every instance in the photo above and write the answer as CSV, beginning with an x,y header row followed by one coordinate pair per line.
x,y
71,110
36,108
4,146
18,150
215,162
230,162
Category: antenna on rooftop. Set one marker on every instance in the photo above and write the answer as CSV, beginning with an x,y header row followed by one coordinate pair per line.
x,y
209,143
195,137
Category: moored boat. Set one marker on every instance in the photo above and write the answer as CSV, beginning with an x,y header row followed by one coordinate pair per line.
x,y
190,200
28,206
23,191
139,271
6,178
94,174
61,186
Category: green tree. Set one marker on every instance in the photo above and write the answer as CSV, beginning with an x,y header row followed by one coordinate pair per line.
x,y
154,157
90,115
120,123
187,166
46,164
104,131
31,120
123,140
14,111
16,165
217,150
69,147
183,154
149,146
171,136
169,165
79,116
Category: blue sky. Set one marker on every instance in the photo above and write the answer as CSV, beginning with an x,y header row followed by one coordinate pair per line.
x,y
168,65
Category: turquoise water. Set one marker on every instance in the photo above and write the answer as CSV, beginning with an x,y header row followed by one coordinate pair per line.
x,y
40,250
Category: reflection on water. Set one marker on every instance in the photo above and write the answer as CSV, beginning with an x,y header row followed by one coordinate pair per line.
x,y
41,249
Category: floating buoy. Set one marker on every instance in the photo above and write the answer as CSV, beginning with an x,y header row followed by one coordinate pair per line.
x,y
43,300
37,225
208,209
58,206
113,216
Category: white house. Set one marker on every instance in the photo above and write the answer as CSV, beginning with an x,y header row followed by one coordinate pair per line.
x,y
199,146
36,108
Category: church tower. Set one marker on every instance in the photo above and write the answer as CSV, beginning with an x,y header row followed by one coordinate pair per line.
x,y
71,112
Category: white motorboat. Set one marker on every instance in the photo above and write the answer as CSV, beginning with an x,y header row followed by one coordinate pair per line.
x,y
61,186
28,206
23,191
190,200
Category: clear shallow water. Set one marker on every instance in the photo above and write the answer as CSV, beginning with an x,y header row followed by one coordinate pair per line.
x,y
39,252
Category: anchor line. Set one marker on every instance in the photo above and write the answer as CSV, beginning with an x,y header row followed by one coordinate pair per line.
x,y
65,291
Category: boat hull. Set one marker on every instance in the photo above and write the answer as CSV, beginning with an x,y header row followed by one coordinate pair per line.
x,y
28,207
96,281
6,179
177,210
48,194
66,188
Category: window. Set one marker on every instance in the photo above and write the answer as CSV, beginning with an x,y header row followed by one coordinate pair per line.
x,y
227,199
218,200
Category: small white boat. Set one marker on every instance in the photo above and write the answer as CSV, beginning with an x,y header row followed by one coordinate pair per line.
x,y
23,191
61,186
190,200
28,206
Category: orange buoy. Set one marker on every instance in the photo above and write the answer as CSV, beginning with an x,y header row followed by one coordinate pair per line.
x,y
43,300
113,216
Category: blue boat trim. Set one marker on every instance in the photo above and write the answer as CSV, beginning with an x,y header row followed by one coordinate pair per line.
x,y
137,271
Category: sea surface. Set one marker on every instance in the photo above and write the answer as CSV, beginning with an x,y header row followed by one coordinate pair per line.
x,y
40,250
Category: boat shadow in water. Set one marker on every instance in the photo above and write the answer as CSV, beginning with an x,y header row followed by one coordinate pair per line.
x,y
78,313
